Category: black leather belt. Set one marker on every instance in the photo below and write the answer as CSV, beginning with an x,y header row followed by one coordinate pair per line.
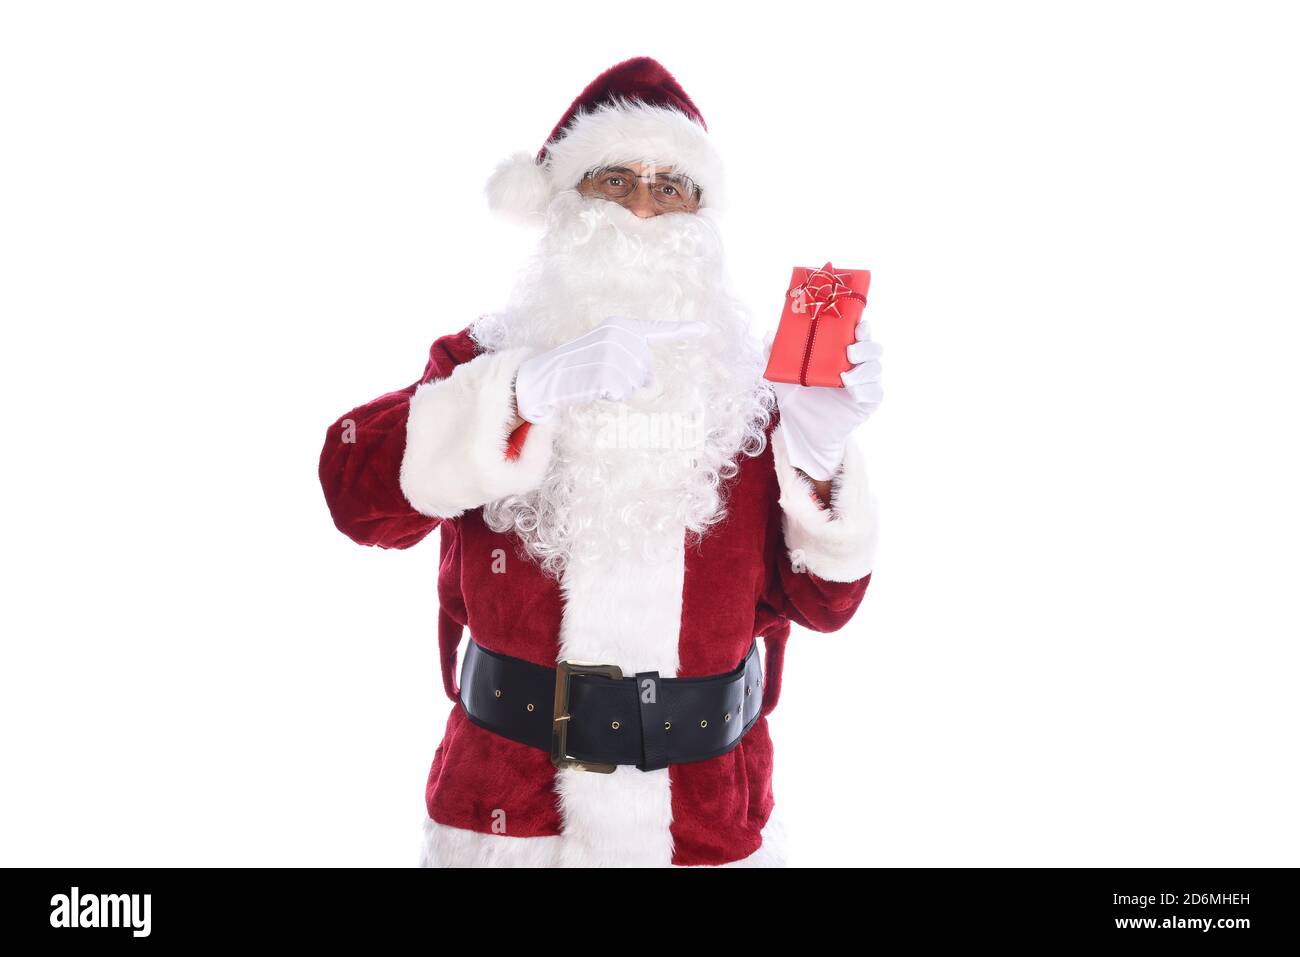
x,y
593,718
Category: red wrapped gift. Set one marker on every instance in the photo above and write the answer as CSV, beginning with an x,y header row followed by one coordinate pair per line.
x,y
822,309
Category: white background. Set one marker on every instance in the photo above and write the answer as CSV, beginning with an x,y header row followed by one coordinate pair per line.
x,y
225,224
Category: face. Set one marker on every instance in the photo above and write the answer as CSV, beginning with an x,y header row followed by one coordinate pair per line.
x,y
642,189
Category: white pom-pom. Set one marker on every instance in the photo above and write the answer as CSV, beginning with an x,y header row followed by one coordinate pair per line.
x,y
519,189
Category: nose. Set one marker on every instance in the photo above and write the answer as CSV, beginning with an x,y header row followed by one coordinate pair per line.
x,y
640,203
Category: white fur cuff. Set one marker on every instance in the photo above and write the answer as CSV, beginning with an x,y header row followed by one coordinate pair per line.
x,y
837,544
456,436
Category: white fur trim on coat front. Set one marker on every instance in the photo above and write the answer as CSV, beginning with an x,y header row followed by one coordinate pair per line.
x,y
625,610
445,846
614,133
456,437
836,544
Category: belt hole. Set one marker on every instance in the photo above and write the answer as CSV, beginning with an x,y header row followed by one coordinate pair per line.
x,y
668,725
704,724
615,725
497,692
530,707
728,717
748,691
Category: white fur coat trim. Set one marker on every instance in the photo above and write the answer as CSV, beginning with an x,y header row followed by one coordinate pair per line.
x,y
456,437
836,544
624,610
445,846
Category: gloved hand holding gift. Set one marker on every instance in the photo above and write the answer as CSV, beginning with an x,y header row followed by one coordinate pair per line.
x,y
824,366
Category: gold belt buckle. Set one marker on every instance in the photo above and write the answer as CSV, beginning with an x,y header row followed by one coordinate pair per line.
x,y
564,671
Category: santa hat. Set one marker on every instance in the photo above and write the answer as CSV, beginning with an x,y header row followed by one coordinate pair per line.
x,y
633,112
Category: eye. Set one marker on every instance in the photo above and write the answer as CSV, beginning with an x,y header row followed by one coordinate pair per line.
x,y
613,180
669,190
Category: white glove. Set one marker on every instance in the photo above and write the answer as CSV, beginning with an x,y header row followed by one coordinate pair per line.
x,y
611,361
817,421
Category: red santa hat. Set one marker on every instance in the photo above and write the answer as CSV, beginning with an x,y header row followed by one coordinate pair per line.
x,y
633,112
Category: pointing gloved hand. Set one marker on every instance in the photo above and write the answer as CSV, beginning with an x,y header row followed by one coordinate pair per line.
x,y
818,421
611,362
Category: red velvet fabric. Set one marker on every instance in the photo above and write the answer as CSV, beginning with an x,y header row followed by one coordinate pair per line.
x,y
738,584
515,443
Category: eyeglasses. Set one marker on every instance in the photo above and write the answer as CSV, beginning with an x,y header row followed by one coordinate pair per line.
x,y
670,192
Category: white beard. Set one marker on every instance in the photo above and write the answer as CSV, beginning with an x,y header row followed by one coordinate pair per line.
x,y
625,475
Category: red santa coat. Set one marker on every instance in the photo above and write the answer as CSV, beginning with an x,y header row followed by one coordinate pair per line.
x,y
429,456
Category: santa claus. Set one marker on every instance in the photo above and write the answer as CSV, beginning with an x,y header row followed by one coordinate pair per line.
x,y
628,512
